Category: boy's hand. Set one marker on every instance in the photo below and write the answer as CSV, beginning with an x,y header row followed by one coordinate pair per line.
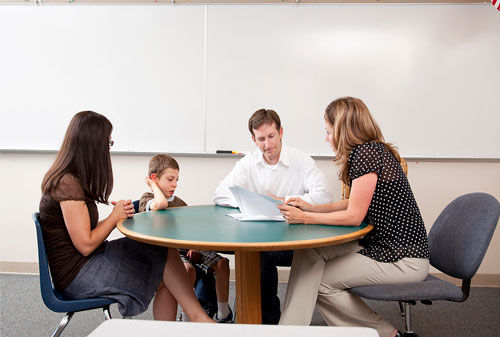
x,y
149,182
159,201
194,256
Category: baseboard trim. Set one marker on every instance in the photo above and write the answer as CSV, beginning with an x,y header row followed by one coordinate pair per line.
x,y
480,280
18,267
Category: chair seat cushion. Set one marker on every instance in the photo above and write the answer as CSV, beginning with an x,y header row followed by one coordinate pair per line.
x,y
431,288
57,303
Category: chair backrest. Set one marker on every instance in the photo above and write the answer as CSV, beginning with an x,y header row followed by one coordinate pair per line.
x,y
136,205
346,190
51,297
462,233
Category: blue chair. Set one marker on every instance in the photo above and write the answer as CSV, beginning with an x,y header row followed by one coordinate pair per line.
x,y
458,241
136,205
53,299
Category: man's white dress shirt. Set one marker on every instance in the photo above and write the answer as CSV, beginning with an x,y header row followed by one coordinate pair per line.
x,y
295,174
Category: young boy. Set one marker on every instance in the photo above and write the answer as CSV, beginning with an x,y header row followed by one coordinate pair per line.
x,y
162,179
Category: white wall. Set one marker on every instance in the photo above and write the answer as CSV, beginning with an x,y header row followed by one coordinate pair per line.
x,y
435,184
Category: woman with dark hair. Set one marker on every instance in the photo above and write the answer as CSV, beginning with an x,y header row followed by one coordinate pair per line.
x,y
395,251
82,263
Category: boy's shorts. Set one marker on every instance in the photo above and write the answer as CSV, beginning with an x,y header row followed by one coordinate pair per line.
x,y
208,259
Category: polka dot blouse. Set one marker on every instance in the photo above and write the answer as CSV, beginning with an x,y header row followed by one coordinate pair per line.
x,y
399,230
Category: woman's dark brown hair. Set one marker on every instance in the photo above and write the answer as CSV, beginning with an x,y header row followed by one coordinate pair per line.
x,y
85,154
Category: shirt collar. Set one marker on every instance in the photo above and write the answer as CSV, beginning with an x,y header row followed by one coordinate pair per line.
x,y
284,156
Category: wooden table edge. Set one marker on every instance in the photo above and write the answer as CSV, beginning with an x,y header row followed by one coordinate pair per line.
x,y
247,246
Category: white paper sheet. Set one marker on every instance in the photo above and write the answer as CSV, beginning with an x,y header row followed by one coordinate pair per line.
x,y
255,207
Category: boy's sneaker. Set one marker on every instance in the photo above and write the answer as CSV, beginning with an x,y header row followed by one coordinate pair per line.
x,y
210,310
228,319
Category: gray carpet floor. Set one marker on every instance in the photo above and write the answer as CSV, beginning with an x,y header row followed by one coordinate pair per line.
x,y
22,313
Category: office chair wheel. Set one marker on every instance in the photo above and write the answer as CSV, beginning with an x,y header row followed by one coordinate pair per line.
x,y
410,334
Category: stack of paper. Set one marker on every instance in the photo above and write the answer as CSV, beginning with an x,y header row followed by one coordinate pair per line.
x,y
255,207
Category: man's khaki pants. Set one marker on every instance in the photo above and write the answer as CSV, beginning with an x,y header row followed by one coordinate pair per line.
x,y
323,276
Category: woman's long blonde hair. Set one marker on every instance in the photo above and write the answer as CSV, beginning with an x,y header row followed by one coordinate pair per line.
x,y
353,124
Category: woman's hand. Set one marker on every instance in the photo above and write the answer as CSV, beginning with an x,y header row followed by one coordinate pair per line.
x,y
128,206
297,202
123,209
77,220
292,214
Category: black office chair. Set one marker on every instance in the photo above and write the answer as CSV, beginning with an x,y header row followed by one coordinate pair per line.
x,y
458,241
53,299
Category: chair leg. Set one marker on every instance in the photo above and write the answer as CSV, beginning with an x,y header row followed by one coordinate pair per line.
x,y
63,324
401,309
107,314
407,314
234,310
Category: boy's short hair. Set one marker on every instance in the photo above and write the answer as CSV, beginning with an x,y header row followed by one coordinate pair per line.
x,y
160,163
263,116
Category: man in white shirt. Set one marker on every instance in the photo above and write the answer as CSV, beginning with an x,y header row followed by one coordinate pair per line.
x,y
277,170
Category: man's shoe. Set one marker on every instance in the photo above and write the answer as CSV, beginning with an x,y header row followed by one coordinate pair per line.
x,y
228,319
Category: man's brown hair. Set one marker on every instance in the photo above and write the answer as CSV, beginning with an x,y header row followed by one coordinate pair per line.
x,y
263,116
160,163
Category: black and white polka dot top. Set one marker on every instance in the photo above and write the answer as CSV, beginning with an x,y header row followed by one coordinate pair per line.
x,y
399,230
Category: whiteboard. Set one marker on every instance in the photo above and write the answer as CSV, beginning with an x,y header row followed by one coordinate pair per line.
x,y
429,73
186,78
140,66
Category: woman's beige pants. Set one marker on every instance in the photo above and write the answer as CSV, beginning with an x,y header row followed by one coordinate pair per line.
x,y
323,276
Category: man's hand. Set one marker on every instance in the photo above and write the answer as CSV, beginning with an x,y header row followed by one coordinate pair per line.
x,y
276,197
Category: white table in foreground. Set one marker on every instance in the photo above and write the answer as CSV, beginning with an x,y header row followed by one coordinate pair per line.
x,y
135,327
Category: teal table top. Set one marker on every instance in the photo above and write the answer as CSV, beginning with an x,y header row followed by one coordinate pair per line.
x,y
208,227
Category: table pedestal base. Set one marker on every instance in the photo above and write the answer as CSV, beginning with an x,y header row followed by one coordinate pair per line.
x,y
248,307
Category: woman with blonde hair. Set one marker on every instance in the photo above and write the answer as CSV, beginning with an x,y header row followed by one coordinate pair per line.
x,y
395,251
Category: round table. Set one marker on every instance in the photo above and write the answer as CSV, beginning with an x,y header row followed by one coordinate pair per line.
x,y
208,227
